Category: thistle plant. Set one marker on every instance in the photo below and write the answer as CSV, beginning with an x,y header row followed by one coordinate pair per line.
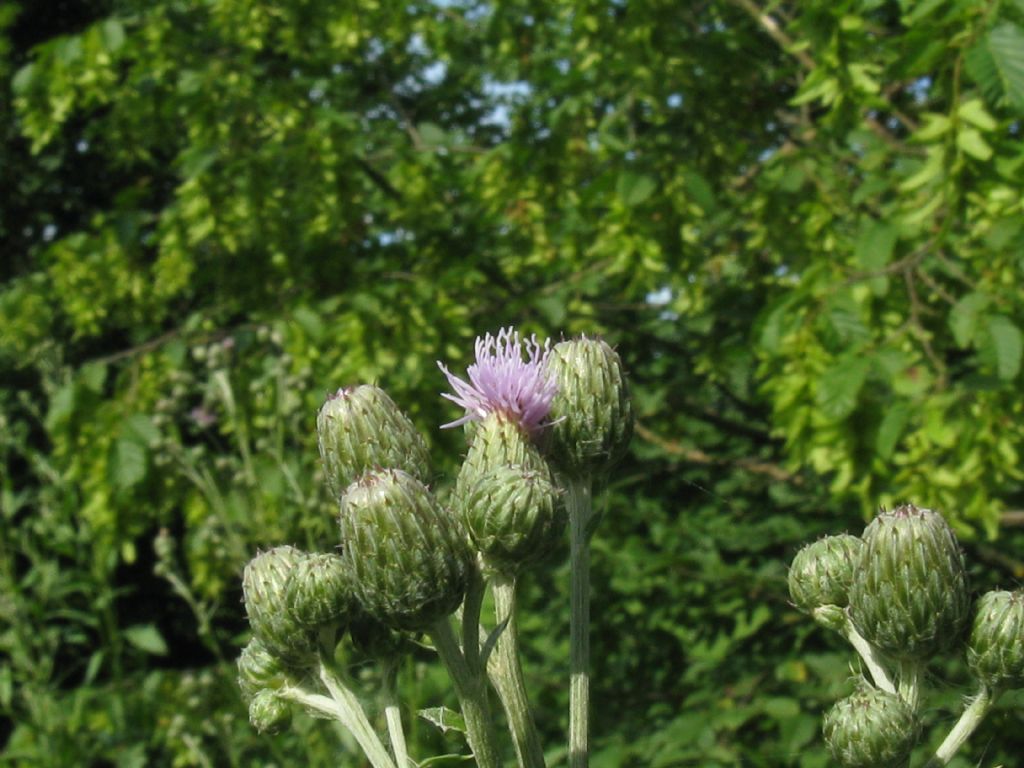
x,y
543,424
899,595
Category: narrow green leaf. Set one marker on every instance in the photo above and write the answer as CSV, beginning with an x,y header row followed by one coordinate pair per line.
x,y
445,719
146,637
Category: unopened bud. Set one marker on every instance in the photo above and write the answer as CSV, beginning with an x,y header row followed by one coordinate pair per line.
x,y
909,596
360,429
591,415
871,729
995,651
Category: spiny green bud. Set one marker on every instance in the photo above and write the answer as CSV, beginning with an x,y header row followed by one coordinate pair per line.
x,y
406,556
591,415
258,670
318,592
820,576
496,441
514,517
361,428
263,584
269,713
870,729
909,592
376,640
995,651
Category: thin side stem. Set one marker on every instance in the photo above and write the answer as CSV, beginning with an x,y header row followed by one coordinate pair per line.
x,y
471,688
965,726
871,658
350,713
580,514
508,678
393,717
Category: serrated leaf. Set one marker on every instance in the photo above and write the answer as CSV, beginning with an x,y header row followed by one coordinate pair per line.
x,y
971,142
981,68
1009,344
963,318
634,188
840,385
445,719
890,430
146,637
140,428
1006,45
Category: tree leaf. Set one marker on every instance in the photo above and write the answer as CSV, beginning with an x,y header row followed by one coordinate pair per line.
x,y
146,637
840,385
971,142
127,465
432,134
1009,344
1006,44
634,188
890,430
963,318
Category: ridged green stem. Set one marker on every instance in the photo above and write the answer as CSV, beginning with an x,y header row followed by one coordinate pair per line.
x,y
349,712
471,688
578,503
871,658
965,726
508,678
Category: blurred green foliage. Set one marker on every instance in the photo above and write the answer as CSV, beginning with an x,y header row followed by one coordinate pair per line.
x,y
800,223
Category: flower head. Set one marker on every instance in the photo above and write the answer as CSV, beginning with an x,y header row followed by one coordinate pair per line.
x,y
510,377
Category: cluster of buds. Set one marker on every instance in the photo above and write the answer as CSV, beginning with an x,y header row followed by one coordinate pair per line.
x,y
899,594
409,558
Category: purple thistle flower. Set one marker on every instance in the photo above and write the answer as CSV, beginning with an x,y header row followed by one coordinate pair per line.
x,y
509,377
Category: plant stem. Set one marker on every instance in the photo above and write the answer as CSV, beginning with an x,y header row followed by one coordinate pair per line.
x,y
393,716
969,720
471,619
471,688
871,658
508,678
343,706
580,514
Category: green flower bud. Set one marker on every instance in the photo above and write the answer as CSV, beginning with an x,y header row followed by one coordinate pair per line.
x,y
995,651
406,556
909,592
318,592
820,576
514,517
374,639
258,670
361,428
591,415
269,713
871,729
263,584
